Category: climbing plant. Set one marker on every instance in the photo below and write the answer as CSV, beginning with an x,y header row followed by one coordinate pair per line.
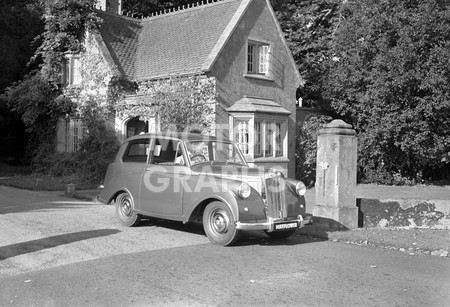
x,y
181,102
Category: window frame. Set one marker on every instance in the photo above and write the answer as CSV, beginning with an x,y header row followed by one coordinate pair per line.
x,y
253,63
278,137
263,120
70,70
70,131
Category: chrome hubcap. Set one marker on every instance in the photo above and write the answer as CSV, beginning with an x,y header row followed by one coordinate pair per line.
x,y
220,221
126,206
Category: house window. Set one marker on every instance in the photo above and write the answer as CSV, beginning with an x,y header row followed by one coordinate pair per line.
x,y
69,134
66,135
260,126
278,140
260,137
258,58
71,74
268,146
274,135
243,136
76,138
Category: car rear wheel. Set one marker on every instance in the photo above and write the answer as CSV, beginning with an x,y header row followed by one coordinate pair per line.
x,y
219,224
125,210
281,234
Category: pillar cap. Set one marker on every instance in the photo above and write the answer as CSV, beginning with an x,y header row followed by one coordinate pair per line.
x,y
337,127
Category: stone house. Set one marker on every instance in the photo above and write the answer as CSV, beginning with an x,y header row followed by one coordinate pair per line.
x,y
237,43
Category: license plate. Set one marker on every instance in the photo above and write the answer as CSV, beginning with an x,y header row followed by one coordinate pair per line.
x,y
286,226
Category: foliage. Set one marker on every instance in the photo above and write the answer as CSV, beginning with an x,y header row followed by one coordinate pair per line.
x,y
181,102
97,149
19,23
309,28
39,106
144,8
391,79
12,136
306,154
65,24
47,161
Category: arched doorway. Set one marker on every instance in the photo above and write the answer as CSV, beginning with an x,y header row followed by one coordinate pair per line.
x,y
135,126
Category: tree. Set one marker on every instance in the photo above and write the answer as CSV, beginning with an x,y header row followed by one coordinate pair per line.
x,y
37,99
309,27
20,22
39,106
144,8
391,79
66,22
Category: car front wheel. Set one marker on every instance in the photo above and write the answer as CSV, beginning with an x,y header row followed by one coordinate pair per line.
x,y
219,224
125,210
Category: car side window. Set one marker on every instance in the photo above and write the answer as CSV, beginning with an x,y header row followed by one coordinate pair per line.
x,y
137,151
166,152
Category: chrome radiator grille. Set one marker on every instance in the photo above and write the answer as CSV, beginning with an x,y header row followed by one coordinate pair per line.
x,y
276,197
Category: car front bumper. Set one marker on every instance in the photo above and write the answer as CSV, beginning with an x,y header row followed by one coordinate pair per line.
x,y
276,225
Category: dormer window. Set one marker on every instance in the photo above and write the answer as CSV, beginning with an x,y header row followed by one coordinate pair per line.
x,y
258,54
71,74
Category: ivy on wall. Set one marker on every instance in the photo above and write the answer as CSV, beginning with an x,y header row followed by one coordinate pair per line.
x,y
181,102
91,94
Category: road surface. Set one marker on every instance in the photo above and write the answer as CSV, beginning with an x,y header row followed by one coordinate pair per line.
x,y
56,251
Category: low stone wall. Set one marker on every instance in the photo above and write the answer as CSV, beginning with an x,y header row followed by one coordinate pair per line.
x,y
407,213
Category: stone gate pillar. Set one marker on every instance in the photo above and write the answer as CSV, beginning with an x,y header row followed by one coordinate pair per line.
x,y
336,176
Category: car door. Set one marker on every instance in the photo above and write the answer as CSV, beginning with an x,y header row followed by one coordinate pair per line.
x,y
164,180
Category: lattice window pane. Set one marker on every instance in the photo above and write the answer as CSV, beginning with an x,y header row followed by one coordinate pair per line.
x,y
258,139
263,59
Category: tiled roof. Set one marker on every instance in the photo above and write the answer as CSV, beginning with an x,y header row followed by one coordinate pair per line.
x,y
120,35
173,43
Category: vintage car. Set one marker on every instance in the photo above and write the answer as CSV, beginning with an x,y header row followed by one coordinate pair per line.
x,y
188,177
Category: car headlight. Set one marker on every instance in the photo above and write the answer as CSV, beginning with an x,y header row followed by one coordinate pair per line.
x,y
300,188
244,190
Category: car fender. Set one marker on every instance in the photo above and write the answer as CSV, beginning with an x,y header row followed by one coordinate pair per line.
x,y
129,181
249,209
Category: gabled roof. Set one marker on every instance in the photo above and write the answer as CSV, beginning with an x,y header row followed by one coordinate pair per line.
x,y
181,42
187,41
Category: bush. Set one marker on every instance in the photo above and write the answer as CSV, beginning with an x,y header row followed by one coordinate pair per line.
x,y
97,149
46,160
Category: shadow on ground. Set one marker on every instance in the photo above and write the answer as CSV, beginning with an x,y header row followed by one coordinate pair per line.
x,y
247,237
22,248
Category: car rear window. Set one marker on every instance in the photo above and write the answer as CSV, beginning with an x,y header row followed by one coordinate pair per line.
x,y
137,151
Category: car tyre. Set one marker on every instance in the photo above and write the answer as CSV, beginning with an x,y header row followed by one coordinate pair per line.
x,y
125,210
281,234
219,224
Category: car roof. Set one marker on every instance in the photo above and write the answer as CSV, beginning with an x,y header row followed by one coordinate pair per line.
x,y
179,136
